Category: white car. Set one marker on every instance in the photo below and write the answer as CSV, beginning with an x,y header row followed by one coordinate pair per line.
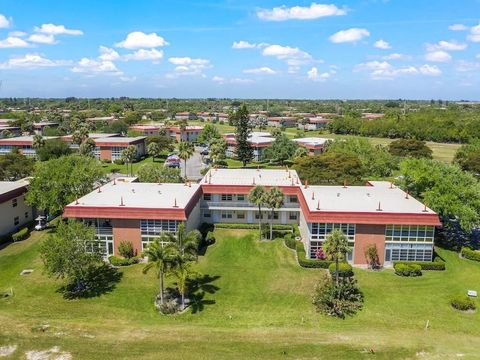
x,y
42,223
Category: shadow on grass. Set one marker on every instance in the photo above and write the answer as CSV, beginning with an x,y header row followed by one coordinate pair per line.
x,y
97,281
198,288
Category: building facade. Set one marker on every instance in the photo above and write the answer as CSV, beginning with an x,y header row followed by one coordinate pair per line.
x,y
15,213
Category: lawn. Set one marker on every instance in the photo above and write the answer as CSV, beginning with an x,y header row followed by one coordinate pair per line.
x,y
258,307
122,169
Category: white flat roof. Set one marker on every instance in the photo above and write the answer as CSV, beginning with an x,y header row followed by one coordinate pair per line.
x,y
363,199
311,140
7,186
266,177
139,195
29,138
120,139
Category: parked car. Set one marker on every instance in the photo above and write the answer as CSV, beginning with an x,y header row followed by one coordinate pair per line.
x,y
204,152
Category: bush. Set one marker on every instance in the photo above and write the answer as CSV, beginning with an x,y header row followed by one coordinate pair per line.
x,y
125,249
22,234
427,265
470,254
309,263
290,242
344,269
407,269
118,162
118,261
296,231
463,303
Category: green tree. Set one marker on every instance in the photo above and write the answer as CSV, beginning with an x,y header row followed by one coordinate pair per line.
x,y
185,243
15,166
243,149
300,152
330,168
467,154
160,258
281,150
183,272
87,148
410,147
257,196
128,155
65,255
185,152
218,148
165,143
38,141
150,173
273,200
53,149
153,150
335,248
58,182
208,134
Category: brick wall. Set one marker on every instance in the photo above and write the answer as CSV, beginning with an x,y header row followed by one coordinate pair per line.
x,y
366,235
127,230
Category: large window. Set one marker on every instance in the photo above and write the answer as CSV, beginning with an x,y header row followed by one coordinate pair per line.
x,y
227,197
319,234
151,229
408,252
117,152
409,233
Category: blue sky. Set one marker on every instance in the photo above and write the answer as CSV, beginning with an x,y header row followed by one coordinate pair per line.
x,y
372,49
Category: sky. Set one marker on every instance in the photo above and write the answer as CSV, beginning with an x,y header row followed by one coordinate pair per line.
x,y
364,49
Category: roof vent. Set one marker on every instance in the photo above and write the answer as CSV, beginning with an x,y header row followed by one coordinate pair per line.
x,y
338,194
175,203
379,207
425,208
133,191
121,201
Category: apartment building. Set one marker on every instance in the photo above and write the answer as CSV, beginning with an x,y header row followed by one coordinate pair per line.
x,y
69,138
110,148
378,213
314,145
15,213
258,141
188,133
147,130
313,123
23,143
282,121
39,127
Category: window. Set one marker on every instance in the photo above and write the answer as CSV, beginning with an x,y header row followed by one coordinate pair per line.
x,y
16,221
408,252
117,152
275,215
293,216
241,197
409,233
227,197
207,197
320,231
155,227
227,215
26,214
14,203
240,215
206,214
293,199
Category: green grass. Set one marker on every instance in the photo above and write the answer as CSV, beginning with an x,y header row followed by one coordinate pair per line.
x,y
261,309
109,167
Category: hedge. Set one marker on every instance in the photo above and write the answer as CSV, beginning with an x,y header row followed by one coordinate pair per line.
x,y
463,303
406,269
427,265
309,263
290,242
344,269
296,231
470,254
22,234
251,226
118,261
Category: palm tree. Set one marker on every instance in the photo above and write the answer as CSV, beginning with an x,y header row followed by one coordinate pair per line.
x,y
159,257
256,196
128,155
153,150
38,141
185,243
335,247
185,152
273,199
183,271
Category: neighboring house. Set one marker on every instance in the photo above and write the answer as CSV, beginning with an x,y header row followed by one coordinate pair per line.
x,y
190,133
147,130
185,116
110,148
372,116
313,123
14,130
282,121
39,128
22,143
94,136
14,211
378,213
314,145
101,119
258,141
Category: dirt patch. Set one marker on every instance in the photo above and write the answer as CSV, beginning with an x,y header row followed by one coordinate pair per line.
x,y
7,350
52,354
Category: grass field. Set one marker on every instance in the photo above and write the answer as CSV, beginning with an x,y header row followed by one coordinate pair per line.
x,y
259,307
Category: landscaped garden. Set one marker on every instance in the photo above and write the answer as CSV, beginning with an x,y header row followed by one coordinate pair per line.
x,y
252,300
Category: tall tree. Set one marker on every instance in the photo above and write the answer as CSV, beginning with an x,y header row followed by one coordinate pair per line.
x,y
218,148
183,272
185,152
15,166
128,155
336,247
257,196
58,182
209,134
153,150
38,141
281,150
243,149
87,148
150,173
53,149
273,200
410,147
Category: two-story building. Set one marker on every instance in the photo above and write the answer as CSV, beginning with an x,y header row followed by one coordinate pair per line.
x,y
110,148
188,133
14,211
314,145
258,141
23,143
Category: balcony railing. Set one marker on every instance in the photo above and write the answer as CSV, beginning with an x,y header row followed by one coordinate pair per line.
x,y
103,231
208,204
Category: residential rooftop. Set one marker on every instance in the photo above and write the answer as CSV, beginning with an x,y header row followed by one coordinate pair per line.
x,y
312,141
25,139
7,186
265,177
119,139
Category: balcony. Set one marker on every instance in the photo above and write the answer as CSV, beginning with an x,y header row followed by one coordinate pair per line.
x,y
244,204
103,231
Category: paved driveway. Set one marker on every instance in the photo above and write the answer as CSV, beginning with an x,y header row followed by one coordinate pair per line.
x,y
194,165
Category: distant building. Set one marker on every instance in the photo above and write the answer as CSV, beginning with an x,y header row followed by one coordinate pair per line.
x,y
107,119
110,148
372,116
15,213
314,145
313,123
13,130
258,141
147,130
23,143
69,138
282,121
39,127
189,133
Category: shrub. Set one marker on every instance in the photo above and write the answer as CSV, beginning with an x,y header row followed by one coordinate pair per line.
x,y
22,234
118,162
169,307
463,303
209,238
427,265
309,263
337,300
371,254
296,231
406,269
290,242
118,261
125,249
344,269
470,254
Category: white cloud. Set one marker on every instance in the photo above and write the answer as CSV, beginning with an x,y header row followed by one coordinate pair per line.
x,y
349,35
108,54
243,45
218,79
438,56
382,44
188,66
51,29
447,46
466,66
314,75
396,56
42,39
142,54
474,35
17,33
138,40
127,78
293,56
261,70
458,27
373,65
13,42
314,11
31,61
432,70
93,66
4,22
241,81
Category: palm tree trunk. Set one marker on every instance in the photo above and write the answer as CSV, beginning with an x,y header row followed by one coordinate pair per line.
x,y
336,270
161,287
185,165
183,300
271,225
260,221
